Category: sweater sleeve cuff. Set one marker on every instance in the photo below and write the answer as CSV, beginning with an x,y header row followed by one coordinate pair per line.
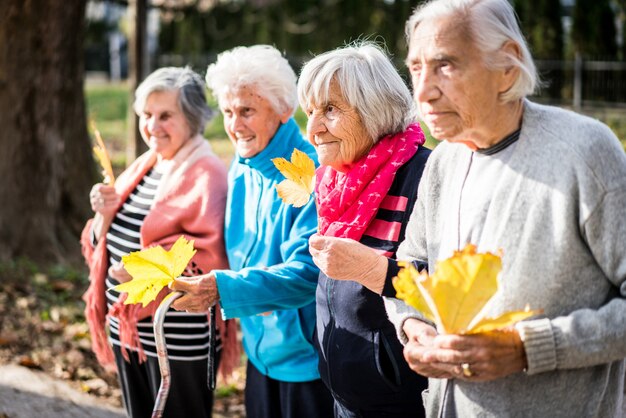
x,y
539,344
224,281
398,312
392,271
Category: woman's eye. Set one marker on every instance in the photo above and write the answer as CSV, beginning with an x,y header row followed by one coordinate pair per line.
x,y
330,108
445,66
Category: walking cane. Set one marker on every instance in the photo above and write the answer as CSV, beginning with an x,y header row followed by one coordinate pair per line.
x,y
164,364
212,350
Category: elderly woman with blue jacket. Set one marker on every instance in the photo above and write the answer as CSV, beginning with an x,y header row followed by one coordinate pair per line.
x,y
272,279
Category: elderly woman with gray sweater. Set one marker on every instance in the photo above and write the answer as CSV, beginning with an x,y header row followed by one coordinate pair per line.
x,y
547,187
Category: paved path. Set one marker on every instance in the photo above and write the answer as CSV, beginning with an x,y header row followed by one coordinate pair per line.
x,y
25,393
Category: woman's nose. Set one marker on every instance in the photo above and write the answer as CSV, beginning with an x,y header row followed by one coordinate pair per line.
x,y
425,87
235,123
152,124
315,124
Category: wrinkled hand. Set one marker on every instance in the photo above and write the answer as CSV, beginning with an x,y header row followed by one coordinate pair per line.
x,y
490,355
200,293
104,199
119,273
421,339
347,259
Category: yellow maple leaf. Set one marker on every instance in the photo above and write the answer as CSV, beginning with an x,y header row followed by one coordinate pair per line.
x,y
456,295
154,268
299,180
102,156
406,287
502,321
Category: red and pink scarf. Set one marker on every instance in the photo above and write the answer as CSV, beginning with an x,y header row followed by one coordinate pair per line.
x,y
348,202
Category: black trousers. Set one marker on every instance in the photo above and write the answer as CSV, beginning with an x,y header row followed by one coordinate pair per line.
x,y
269,398
189,395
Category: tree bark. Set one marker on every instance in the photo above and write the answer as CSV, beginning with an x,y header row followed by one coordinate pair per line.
x,y
46,162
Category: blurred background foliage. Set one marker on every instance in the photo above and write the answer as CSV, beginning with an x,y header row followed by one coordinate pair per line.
x,y
193,32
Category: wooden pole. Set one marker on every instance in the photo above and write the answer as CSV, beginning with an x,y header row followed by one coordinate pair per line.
x,y
137,70
578,81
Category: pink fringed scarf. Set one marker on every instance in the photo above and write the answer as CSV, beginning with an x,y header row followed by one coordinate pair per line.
x,y
185,189
347,202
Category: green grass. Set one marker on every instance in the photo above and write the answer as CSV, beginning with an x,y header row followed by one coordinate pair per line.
x,y
107,102
107,106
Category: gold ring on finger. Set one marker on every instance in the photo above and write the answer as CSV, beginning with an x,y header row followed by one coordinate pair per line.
x,y
467,371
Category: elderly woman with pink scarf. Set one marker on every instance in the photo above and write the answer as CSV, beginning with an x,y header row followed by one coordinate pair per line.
x,y
362,124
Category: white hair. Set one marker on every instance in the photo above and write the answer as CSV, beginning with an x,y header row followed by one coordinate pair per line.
x,y
489,24
261,67
191,94
368,81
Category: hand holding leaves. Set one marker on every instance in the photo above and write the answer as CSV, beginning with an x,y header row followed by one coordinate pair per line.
x,y
153,269
296,189
455,296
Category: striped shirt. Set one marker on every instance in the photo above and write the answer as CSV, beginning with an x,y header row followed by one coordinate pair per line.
x,y
186,335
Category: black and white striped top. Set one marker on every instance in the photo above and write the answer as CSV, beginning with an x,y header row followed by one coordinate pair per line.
x,y
186,335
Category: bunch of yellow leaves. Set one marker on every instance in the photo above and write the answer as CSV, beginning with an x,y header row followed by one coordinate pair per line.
x,y
154,268
456,295
102,156
299,180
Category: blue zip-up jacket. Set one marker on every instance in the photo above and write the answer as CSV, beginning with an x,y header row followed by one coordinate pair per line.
x,y
271,267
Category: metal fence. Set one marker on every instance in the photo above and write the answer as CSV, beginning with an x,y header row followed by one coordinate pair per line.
x,y
576,83
582,82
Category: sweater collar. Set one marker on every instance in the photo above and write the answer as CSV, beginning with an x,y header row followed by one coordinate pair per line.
x,y
499,146
281,145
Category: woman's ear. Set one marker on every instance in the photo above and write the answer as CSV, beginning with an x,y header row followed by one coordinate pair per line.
x,y
511,72
285,117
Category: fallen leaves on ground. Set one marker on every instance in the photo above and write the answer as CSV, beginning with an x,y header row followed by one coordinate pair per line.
x,y
44,328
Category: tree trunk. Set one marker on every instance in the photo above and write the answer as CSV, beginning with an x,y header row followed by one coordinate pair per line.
x,y
46,162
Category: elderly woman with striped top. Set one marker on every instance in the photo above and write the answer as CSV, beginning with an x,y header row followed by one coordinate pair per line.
x,y
178,187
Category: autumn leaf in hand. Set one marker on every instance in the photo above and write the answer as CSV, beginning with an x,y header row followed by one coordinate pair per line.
x,y
154,268
505,320
102,156
299,180
406,289
457,294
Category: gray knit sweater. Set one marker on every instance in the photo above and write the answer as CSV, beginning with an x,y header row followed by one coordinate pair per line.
x,y
556,206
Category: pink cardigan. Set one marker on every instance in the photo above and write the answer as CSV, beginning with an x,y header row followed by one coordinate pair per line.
x,y
189,201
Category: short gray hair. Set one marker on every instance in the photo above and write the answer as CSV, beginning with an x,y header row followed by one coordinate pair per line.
x,y
261,67
490,24
368,81
191,94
